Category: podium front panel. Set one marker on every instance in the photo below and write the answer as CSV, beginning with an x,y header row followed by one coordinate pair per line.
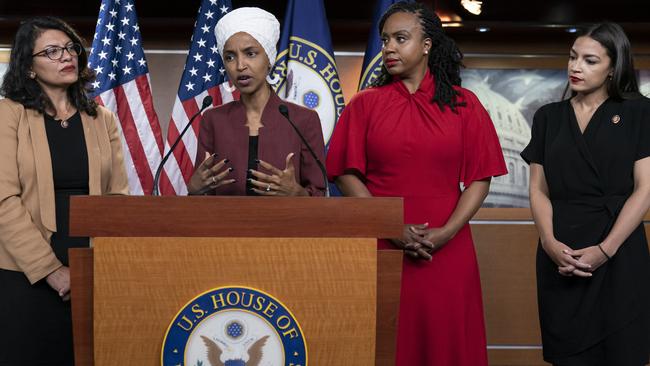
x,y
329,285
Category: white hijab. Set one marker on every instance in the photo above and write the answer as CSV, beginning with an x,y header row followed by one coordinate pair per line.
x,y
260,24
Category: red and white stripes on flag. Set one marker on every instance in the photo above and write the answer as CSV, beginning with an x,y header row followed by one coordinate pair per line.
x,y
122,85
203,74
180,167
140,131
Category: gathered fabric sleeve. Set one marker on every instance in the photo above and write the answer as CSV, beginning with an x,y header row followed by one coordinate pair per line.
x,y
118,182
347,149
482,154
311,177
534,151
19,236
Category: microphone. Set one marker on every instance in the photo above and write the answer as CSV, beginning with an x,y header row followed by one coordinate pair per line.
x,y
207,101
285,112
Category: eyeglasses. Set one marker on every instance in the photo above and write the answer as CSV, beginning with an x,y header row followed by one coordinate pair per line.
x,y
55,53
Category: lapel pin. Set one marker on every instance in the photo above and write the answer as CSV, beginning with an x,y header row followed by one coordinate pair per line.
x,y
616,119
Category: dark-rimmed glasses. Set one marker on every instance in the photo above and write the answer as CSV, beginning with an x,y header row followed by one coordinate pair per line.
x,y
55,53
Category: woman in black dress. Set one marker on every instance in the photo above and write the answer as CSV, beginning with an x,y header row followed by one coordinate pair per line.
x,y
589,160
54,142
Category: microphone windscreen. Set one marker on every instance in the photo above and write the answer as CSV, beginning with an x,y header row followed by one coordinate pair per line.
x,y
284,110
207,101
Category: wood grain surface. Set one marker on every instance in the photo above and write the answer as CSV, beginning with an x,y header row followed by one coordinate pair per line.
x,y
210,216
389,282
81,301
141,283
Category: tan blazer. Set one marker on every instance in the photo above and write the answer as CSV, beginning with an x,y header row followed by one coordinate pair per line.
x,y
27,215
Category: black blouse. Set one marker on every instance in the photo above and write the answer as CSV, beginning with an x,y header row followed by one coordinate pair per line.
x,y
70,175
253,142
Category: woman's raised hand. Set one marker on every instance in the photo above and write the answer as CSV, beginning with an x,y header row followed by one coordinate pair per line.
x,y
210,174
279,182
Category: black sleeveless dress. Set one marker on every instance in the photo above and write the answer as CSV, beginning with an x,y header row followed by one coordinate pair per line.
x,y
35,324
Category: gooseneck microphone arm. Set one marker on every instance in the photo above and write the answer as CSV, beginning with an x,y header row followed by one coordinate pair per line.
x,y
207,101
285,112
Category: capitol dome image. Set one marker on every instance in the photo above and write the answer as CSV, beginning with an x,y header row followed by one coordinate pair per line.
x,y
510,190
511,97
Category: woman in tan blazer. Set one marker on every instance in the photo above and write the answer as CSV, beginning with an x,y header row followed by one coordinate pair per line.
x,y
54,142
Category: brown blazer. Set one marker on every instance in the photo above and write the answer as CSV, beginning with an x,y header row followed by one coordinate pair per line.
x,y
27,215
223,131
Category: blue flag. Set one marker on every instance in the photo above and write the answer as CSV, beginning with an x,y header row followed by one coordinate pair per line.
x,y
305,64
372,59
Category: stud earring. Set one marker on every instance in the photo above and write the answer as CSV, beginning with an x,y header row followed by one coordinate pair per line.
x,y
426,52
31,74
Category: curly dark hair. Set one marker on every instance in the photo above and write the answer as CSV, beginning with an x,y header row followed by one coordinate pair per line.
x,y
19,87
445,59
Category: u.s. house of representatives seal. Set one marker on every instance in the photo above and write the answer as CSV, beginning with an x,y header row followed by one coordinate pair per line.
x,y
307,76
234,326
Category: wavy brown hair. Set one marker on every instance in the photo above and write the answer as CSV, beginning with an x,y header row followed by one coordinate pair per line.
x,y
19,87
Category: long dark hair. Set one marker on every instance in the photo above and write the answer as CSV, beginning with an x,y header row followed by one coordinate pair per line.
x,y
19,87
623,82
445,59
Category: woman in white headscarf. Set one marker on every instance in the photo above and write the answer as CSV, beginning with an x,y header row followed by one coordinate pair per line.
x,y
247,147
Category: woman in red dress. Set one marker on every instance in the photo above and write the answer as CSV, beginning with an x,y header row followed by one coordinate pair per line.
x,y
417,134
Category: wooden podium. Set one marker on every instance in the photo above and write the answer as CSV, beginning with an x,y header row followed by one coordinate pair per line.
x,y
152,255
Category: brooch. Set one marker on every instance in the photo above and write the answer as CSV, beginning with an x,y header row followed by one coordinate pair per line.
x,y
616,119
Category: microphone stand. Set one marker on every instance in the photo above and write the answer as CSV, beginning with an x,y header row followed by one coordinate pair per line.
x,y
285,112
207,101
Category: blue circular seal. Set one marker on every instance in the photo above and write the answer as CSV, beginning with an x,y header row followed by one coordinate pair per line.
x,y
308,76
234,326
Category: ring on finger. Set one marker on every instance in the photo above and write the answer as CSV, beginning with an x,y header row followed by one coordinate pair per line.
x,y
268,187
214,179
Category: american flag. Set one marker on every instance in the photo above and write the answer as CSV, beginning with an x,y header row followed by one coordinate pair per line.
x,y
122,85
204,74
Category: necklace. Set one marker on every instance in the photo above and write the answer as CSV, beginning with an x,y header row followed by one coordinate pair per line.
x,y
64,123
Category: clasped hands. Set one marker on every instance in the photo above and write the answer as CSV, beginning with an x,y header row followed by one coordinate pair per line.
x,y
212,174
419,241
582,262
